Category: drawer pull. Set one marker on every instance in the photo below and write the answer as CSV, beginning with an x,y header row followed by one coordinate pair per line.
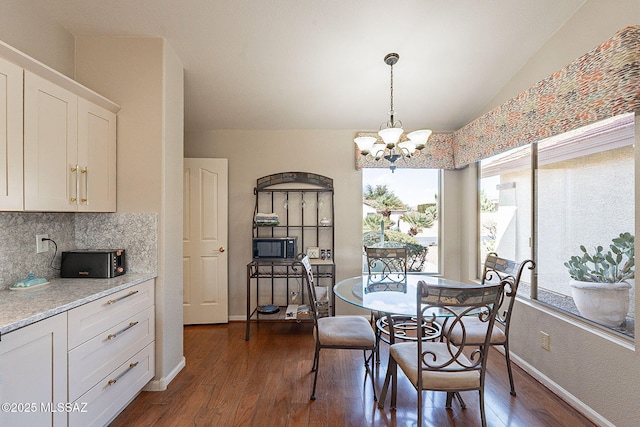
x,y
131,325
115,380
113,301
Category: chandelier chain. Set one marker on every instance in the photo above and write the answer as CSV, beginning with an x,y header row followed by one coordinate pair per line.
x,y
391,112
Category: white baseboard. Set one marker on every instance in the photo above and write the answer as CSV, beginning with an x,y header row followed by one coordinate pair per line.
x,y
579,405
161,384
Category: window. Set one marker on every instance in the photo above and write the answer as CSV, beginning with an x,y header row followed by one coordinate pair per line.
x,y
405,204
505,205
581,193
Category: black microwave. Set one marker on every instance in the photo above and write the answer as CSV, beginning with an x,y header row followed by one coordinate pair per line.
x,y
274,247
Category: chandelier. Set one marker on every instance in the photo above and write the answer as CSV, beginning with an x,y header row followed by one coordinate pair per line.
x,y
394,144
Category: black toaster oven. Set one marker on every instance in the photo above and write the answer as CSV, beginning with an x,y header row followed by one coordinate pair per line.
x,y
94,263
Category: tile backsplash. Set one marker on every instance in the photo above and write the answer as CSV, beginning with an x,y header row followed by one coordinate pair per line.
x,y
137,233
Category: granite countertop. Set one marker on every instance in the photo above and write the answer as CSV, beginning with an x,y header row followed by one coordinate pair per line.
x,y
24,307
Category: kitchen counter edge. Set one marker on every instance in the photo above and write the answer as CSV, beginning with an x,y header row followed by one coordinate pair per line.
x,y
22,308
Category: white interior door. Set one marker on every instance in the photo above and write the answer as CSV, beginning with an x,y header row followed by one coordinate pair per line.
x,y
205,258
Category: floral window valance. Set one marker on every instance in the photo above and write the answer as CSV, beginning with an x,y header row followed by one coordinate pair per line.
x,y
438,154
602,83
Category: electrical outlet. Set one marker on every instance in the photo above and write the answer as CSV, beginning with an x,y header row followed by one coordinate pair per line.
x,y
545,340
42,246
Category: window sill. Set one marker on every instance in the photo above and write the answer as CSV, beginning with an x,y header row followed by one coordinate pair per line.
x,y
618,338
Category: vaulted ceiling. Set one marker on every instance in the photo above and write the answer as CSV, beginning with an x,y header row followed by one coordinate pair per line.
x,y
302,64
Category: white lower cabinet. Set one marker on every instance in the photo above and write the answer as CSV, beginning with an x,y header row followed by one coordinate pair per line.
x,y
101,355
81,367
33,374
105,400
111,353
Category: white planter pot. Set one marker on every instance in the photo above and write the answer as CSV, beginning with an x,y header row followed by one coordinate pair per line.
x,y
604,303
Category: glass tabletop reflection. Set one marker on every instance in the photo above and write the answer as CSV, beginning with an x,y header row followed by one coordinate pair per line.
x,y
395,294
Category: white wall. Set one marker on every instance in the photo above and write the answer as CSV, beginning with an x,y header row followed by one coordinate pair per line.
x,y
601,373
144,76
28,29
171,214
253,154
595,22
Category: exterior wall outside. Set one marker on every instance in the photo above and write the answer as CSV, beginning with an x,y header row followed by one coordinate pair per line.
x,y
584,213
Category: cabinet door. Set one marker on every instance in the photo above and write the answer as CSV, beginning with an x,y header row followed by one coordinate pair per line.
x,y
33,374
50,146
96,158
10,136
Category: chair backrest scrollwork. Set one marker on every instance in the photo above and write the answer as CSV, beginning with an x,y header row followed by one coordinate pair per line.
x,y
455,302
387,264
509,273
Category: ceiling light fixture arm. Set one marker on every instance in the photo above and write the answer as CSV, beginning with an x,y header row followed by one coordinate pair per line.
x,y
394,146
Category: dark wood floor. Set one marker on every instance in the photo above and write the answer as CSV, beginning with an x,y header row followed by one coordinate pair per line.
x,y
267,381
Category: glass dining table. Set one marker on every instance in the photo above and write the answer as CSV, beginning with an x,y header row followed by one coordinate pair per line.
x,y
395,296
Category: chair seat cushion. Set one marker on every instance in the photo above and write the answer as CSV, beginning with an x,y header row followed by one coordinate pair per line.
x,y
446,379
476,331
345,331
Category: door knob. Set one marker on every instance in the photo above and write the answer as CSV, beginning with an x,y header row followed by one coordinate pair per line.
x,y
221,249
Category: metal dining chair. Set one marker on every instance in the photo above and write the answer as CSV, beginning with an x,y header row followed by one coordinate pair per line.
x,y
509,273
387,270
388,264
340,332
441,365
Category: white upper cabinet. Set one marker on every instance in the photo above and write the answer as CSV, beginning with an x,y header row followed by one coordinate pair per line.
x,y
51,181
10,137
96,158
69,151
57,140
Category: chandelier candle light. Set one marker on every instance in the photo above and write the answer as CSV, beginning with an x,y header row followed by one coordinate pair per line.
x,y
392,148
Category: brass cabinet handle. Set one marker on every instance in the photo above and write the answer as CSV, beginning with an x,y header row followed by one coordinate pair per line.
x,y
221,249
75,169
129,326
115,380
113,301
86,184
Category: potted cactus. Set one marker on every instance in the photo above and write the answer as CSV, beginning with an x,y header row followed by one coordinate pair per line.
x,y
600,281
